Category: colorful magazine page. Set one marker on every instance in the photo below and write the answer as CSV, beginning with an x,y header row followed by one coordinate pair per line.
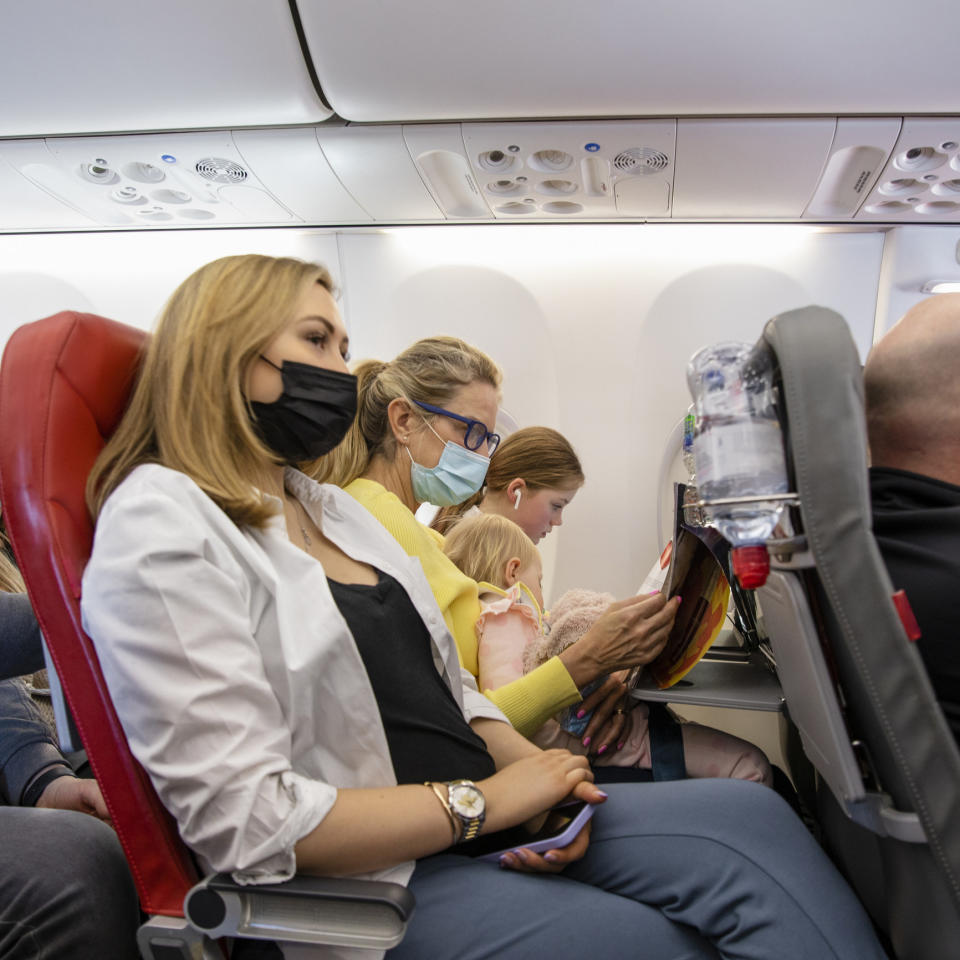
x,y
694,573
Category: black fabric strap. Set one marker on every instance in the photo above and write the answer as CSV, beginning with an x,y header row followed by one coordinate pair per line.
x,y
666,744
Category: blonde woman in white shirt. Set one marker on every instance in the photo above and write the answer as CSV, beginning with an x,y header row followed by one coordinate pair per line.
x,y
284,675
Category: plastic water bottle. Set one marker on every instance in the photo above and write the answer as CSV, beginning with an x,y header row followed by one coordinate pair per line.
x,y
738,449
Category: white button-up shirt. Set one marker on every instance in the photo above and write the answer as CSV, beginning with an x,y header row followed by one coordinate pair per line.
x,y
235,677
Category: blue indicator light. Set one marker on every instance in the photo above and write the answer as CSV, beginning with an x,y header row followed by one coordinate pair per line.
x,y
592,147
168,158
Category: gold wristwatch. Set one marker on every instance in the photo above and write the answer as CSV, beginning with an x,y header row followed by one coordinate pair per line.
x,y
465,806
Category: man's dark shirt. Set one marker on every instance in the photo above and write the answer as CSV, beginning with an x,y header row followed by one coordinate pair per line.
x,y
916,521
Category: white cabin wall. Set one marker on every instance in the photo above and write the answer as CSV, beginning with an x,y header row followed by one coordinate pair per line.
x,y
913,257
126,276
592,324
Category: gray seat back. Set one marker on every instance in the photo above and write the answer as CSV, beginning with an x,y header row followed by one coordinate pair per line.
x,y
854,684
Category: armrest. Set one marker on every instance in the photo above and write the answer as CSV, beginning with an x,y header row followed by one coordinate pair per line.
x,y
341,912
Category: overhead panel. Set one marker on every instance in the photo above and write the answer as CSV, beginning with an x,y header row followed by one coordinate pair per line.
x,y
432,60
291,163
102,66
26,206
749,169
149,181
374,165
921,181
573,170
859,150
437,150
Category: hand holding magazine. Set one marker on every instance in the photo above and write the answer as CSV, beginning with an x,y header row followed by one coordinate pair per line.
x,y
688,567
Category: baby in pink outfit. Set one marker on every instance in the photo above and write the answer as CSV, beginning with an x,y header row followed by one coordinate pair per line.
x,y
515,636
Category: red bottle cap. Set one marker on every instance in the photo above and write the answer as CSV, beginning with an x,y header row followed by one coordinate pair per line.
x,y
751,565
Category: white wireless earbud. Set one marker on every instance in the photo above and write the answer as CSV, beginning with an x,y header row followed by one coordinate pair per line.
x,y
516,502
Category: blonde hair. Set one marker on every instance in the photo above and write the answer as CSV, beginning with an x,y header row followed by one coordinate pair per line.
x,y
431,371
188,410
11,580
481,546
540,456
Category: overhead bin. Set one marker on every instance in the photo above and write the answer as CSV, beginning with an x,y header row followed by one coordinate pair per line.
x,y
432,60
749,169
102,66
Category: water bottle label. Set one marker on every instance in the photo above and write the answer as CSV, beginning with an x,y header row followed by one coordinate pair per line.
x,y
743,457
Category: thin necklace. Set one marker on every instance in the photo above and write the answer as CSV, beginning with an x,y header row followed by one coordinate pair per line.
x,y
307,540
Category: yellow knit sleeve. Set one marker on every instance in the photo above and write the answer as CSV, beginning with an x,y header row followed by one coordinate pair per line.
x,y
531,700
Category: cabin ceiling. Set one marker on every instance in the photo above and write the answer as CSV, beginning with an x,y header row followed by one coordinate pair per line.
x,y
428,111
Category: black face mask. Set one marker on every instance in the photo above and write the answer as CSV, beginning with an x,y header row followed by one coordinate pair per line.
x,y
311,416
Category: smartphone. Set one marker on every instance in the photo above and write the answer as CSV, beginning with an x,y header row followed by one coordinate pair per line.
x,y
563,823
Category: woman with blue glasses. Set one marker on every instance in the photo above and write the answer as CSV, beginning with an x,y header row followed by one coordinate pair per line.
x,y
423,434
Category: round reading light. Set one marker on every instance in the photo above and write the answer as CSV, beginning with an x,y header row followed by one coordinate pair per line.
x,y
947,188
97,171
143,172
496,161
934,207
548,161
888,208
506,188
556,188
171,196
919,158
901,187
564,208
516,209
128,194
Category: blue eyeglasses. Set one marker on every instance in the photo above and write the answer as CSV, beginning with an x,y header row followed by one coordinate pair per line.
x,y
476,433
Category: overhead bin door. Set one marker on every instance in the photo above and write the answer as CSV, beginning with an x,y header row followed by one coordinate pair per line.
x,y
500,59
101,66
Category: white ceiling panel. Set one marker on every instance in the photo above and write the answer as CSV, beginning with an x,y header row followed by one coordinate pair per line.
x,y
106,65
437,60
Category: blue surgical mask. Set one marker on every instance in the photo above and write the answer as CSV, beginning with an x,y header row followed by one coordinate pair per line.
x,y
459,474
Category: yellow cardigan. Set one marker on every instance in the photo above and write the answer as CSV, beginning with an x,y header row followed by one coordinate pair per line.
x,y
529,701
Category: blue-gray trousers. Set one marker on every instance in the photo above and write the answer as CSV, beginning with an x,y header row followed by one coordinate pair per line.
x,y
680,870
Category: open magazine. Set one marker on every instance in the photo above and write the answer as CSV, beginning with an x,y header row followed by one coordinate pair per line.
x,y
692,566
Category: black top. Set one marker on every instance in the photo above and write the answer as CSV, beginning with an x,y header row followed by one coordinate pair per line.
x,y
429,738
916,521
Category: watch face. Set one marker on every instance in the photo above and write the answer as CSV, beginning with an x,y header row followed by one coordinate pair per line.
x,y
466,800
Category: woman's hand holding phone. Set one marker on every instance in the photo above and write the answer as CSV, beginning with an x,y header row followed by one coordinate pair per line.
x,y
528,787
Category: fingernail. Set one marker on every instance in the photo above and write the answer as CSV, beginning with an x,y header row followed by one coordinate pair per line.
x,y
603,749
521,855
586,741
581,714
620,745
504,860
550,857
653,593
602,794
679,599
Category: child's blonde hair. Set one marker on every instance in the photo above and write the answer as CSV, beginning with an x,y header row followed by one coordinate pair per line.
x,y
481,546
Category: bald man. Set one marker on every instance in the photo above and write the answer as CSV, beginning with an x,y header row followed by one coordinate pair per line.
x,y
912,387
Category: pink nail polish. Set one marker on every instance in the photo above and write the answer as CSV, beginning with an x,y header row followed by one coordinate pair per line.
x,y
581,714
602,794
620,745
586,741
679,599
603,749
